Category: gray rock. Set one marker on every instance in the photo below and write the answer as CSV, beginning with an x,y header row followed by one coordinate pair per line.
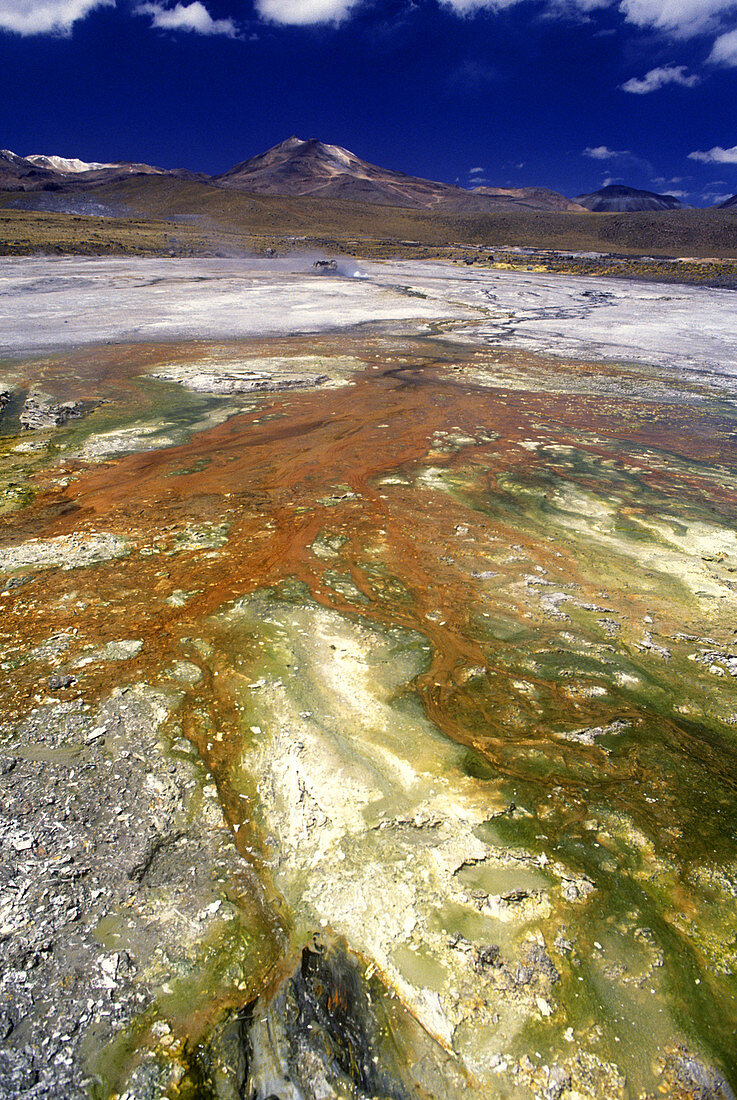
x,y
42,411
113,830
488,956
64,551
559,1079
17,1074
701,1081
240,381
59,680
523,975
540,963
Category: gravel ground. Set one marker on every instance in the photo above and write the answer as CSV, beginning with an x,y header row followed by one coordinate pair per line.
x,y
103,831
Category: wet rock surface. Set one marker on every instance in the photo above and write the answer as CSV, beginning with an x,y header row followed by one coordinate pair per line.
x,y
321,1035
41,411
262,375
65,551
241,381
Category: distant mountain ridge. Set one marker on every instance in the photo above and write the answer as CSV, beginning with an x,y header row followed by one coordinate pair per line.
x,y
311,168
294,167
39,172
616,198
65,165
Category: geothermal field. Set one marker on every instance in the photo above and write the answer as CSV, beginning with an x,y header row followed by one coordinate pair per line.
x,y
369,715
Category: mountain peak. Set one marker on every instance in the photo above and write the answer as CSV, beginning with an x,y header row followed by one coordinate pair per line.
x,y
618,198
317,169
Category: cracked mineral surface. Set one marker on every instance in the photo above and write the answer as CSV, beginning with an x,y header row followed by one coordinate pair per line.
x,y
370,684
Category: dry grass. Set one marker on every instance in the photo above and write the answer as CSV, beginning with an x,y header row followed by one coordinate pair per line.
x,y
163,216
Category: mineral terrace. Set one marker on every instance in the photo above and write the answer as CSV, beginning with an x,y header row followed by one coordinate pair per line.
x,y
370,683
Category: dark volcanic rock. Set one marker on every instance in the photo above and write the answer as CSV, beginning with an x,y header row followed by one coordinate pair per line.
x,y
616,198
333,1029
686,1076
19,174
320,1030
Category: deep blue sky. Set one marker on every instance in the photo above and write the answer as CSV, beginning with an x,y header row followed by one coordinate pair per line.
x,y
517,89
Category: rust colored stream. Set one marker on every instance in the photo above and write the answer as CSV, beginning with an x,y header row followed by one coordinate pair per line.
x,y
266,472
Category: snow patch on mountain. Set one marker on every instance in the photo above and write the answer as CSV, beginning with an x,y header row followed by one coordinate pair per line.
x,y
66,165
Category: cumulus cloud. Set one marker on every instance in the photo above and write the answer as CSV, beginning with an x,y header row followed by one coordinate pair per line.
x,y
476,171
187,17
601,152
658,78
677,18
682,18
715,197
717,155
45,16
305,12
724,51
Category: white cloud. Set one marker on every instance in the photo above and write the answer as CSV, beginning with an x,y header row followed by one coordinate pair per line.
x,y
724,51
45,16
304,12
678,18
187,17
658,78
717,155
682,18
677,194
554,7
476,171
601,152
469,7
715,197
